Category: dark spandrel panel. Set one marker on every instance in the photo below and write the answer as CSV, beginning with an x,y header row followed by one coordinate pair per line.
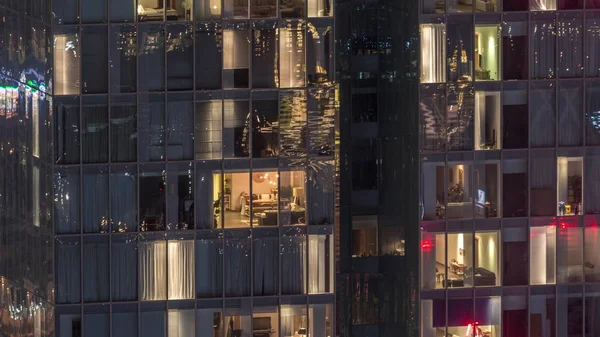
x,y
209,56
514,187
94,11
123,128
122,10
180,57
94,131
365,154
123,58
515,116
151,57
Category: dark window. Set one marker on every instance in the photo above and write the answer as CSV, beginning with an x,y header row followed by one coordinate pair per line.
x,y
94,60
364,164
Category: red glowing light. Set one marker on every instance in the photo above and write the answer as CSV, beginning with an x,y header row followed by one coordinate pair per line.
x,y
426,245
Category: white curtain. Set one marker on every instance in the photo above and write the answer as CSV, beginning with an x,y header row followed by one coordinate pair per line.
x,y
317,264
181,269
293,319
153,270
433,53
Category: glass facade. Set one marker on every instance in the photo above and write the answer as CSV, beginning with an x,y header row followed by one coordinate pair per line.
x,y
507,169
179,159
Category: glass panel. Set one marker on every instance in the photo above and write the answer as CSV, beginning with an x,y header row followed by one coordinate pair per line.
x,y
238,319
237,205
263,9
293,320
569,255
320,319
151,51
264,57
542,252
208,40
515,5
93,11
543,115
487,260
292,197
514,315
66,130
433,317
237,264
461,319
207,10
123,191
591,253
454,6
94,131
515,54
460,200
458,127
265,256
570,105
181,323
180,10
542,316
516,118
487,317
265,126
569,184
235,9
515,256
180,196
589,4
95,200
153,270
236,58
434,6
96,260
66,62
433,51
180,127
151,127
180,55
94,59
591,176
487,120
543,5
209,197
148,10
123,129
236,138
124,268
434,135
322,112
487,52
209,265
68,271
152,322
514,187
293,261
543,184
207,133
152,198
543,61
209,323
124,321
486,191
65,11
320,64
460,48
591,42
569,307
66,200
320,264
123,58
319,8
292,123
264,197
122,11
365,164
295,9
570,47
181,283
292,58
459,252
321,192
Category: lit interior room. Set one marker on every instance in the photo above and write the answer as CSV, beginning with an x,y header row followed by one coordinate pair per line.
x,y
543,5
487,189
207,9
272,198
487,120
157,10
455,200
487,53
569,186
364,236
265,322
463,320
470,261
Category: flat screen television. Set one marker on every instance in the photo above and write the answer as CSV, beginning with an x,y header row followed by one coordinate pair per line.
x,y
261,323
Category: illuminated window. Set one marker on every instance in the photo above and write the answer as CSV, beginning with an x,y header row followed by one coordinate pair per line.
x,y
320,263
292,46
570,185
319,8
66,63
364,236
486,191
207,9
542,252
433,53
236,60
487,53
153,10
543,5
